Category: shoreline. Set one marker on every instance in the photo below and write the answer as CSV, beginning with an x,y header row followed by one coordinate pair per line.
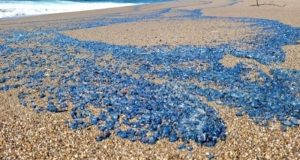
x,y
20,9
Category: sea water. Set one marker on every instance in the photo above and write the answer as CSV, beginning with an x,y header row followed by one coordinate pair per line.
x,y
17,8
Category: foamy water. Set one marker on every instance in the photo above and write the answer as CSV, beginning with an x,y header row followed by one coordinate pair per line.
x,y
28,8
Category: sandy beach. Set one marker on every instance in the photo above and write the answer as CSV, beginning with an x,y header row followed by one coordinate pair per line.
x,y
198,53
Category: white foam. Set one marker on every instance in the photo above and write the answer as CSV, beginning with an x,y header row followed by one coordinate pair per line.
x,y
28,8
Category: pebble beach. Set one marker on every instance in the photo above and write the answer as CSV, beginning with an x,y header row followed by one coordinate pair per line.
x,y
169,80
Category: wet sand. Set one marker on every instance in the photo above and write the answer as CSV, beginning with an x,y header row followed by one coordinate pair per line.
x,y
173,32
25,134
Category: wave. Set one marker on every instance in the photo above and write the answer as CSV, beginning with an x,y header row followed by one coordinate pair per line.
x,y
28,8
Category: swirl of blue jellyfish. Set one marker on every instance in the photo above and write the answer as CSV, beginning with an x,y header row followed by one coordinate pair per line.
x,y
93,88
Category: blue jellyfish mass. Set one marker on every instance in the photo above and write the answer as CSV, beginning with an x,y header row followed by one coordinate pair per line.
x,y
88,80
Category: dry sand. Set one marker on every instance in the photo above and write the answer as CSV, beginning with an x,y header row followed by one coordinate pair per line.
x,y
286,11
25,134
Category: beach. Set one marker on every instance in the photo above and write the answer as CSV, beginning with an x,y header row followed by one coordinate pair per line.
x,y
169,80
